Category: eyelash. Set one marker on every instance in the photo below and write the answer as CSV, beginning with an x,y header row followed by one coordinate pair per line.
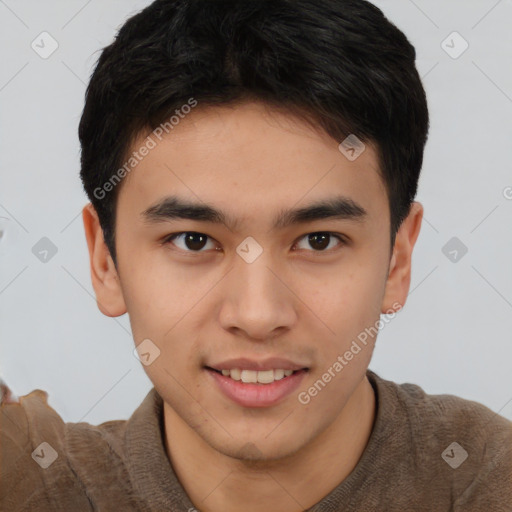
x,y
342,239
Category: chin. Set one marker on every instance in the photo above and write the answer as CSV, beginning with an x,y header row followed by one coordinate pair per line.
x,y
262,450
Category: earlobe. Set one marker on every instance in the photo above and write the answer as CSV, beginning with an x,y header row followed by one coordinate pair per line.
x,y
104,276
399,275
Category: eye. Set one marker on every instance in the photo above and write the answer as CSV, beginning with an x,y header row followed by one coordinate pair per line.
x,y
191,241
321,240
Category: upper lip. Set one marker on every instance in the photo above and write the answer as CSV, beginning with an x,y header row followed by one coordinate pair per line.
x,y
243,363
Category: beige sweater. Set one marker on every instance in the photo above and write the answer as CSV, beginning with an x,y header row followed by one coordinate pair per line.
x,y
411,462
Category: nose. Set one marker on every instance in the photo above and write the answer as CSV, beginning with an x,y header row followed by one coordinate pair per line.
x,y
257,300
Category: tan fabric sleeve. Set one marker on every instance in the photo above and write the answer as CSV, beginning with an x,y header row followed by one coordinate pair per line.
x,y
34,471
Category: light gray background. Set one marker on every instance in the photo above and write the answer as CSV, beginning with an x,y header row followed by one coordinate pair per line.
x,y
454,334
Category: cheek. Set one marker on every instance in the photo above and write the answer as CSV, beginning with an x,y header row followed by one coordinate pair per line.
x,y
349,305
164,310
156,293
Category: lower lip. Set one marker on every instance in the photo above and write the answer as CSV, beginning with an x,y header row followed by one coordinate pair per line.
x,y
257,395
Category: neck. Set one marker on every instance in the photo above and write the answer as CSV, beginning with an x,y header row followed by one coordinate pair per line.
x,y
218,483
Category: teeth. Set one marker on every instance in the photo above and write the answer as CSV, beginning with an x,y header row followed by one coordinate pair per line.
x,y
235,374
253,376
265,377
249,376
278,374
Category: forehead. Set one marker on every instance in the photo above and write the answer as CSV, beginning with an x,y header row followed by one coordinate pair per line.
x,y
248,158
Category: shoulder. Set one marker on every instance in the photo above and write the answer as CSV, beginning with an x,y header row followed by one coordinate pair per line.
x,y
39,453
465,443
450,414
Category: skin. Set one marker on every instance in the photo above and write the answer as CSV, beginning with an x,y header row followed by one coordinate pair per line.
x,y
294,301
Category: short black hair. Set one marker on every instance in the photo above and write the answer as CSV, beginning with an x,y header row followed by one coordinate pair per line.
x,y
340,65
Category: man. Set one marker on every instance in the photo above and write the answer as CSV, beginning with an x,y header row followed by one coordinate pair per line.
x,y
252,168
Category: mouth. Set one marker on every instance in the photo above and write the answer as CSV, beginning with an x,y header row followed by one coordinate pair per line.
x,y
256,388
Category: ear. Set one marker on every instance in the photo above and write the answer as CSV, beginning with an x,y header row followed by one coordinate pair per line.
x,y
104,276
399,275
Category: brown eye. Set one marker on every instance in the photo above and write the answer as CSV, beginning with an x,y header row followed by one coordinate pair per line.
x,y
189,241
320,241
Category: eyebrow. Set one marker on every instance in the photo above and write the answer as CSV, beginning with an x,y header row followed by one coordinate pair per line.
x,y
174,207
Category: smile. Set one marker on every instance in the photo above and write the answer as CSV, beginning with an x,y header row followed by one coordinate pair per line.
x,y
252,376
251,388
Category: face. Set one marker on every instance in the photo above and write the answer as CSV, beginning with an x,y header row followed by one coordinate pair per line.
x,y
212,289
